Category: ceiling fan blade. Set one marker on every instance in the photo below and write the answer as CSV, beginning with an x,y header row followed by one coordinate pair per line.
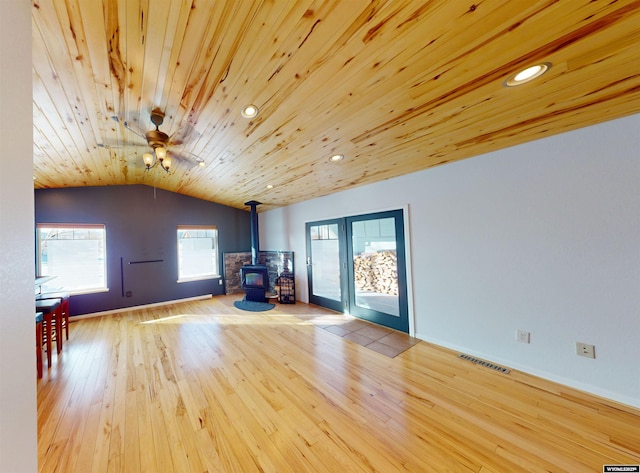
x,y
185,133
198,160
128,127
189,158
108,146
136,132
115,144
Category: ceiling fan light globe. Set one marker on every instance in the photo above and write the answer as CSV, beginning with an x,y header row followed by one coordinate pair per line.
x,y
166,163
148,159
161,152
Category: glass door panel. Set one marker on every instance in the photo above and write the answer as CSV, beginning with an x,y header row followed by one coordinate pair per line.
x,y
377,274
375,267
324,254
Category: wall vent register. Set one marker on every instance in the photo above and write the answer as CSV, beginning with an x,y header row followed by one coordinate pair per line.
x,y
484,363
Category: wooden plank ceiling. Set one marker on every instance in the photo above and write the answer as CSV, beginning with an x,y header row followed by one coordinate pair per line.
x,y
395,86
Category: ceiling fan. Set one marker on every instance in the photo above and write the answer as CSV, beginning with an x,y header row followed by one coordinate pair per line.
x,y
159,142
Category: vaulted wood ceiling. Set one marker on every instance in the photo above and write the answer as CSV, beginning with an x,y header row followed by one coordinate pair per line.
x,y
395,86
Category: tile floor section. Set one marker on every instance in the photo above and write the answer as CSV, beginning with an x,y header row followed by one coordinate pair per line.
x,y
381,339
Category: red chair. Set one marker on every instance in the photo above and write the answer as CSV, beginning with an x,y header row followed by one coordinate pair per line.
x,y
51,311
64,300
39,318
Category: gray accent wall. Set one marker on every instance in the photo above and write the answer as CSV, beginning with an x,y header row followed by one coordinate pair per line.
x,y
141,226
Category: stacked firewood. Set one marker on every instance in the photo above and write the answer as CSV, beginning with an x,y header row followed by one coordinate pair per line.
x,y
376,272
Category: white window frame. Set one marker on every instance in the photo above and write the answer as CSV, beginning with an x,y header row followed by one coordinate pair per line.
x,y
72,232
196,231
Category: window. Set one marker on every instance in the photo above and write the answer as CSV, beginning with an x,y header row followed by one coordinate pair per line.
x,y
74,254
197,252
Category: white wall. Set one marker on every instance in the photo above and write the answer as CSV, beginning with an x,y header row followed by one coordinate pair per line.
x,y
18,436
543,237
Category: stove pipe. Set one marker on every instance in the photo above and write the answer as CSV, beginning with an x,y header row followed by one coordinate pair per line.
x,y
255,238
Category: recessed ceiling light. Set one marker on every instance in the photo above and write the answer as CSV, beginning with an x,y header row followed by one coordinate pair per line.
x,y
528,74
249,111
269,186
336,158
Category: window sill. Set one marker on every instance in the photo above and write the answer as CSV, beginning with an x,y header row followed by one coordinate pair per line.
x,y
200,278
85,291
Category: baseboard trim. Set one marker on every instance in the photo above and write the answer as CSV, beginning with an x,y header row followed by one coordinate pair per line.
x,y
136,307
607,395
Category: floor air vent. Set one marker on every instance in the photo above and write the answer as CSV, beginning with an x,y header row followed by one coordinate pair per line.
x,y
486,364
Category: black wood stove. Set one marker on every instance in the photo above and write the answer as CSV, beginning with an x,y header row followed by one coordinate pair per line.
x,y
254,276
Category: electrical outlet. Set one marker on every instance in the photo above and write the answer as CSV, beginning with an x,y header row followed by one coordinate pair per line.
x,y
584,349
523,336
219,282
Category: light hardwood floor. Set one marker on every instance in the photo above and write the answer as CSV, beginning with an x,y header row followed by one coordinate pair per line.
x,y
204,387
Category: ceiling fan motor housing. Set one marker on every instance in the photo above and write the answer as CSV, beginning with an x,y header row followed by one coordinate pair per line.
x,y
157,138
